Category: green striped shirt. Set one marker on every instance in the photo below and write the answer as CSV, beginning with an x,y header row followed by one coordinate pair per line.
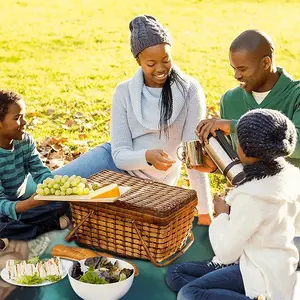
x,y
15,165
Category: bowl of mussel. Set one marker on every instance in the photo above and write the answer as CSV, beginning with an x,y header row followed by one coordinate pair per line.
x,y
101,278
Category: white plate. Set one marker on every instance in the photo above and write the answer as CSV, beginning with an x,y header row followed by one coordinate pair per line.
x,y
84,198
66,264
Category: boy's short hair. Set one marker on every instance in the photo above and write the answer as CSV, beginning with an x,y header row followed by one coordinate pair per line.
x,y
7,98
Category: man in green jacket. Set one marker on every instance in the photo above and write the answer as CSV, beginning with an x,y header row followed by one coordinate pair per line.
x,y
262,85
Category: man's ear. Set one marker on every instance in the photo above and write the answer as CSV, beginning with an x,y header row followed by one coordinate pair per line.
x,y
267,62
138,61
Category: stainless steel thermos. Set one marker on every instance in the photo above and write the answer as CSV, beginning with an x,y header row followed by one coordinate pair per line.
x,y
226,159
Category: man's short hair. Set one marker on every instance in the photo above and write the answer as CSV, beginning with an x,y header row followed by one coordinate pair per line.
x,y
254,41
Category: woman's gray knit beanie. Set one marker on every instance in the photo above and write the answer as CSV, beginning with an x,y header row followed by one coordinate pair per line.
x,y
146,31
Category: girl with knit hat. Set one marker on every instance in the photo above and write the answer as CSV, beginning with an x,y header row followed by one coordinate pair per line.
x,y
254,248
152,114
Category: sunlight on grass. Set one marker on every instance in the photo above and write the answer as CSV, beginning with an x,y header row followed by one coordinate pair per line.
x,y
70,54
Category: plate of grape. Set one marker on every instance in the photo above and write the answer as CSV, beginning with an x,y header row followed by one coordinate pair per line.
x,y
76,188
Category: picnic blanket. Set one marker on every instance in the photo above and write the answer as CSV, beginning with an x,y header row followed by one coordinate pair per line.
x,y
148,285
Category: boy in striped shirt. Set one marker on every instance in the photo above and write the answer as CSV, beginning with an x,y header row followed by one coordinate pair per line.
x,y
22,217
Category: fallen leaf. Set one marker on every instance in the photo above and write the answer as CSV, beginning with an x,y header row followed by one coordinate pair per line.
x,y
59,140
55,163
50,111
33,114
83,136
69,123
56,147
78,115
55,153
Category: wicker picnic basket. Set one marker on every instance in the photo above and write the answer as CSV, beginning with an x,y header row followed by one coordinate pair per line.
x,y
150,221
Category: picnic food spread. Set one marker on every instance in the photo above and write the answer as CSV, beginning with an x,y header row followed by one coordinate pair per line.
x,y
100,271
77,253
34,271
65,185
73,253
111,190
76,185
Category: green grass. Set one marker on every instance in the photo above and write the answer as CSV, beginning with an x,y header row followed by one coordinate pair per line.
x,y
70,54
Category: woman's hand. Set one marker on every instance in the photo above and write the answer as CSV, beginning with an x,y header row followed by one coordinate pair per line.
x,y
220,206
159,159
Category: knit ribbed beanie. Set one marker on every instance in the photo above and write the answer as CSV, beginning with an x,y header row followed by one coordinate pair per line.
x,y
146,31
266,133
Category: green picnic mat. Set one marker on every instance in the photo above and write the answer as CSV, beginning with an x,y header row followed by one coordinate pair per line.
x,y
149,285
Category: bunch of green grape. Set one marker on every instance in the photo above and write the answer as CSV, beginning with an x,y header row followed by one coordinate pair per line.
x,y
64,186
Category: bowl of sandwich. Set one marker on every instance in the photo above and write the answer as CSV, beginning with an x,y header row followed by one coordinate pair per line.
x,y
104,277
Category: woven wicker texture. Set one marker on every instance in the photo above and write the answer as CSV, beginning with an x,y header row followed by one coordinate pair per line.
x,y
163,216
147,196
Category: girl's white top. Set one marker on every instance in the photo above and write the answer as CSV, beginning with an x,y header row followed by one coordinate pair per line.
x,y
259,232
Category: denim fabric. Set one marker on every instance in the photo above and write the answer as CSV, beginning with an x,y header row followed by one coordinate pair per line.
x,y
94,161
84,166
33,222
206,281
41,219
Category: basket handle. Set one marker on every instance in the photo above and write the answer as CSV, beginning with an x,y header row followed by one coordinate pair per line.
x,y
170,260
68,238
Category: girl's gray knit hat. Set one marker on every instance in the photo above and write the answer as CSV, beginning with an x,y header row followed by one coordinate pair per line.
x,y
266,133
146,32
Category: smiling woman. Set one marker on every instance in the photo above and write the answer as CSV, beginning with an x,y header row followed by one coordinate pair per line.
x,y
152,114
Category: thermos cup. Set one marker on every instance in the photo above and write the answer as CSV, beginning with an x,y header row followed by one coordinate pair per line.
x,y
192,153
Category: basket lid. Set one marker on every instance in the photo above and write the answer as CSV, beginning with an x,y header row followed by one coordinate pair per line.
x,y
146,196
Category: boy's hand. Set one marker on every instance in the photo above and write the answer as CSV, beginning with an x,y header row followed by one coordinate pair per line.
x,y
159,159
29,204
205,127
36,203
220,205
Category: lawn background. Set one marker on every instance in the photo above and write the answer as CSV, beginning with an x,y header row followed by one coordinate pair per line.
x,y
66,56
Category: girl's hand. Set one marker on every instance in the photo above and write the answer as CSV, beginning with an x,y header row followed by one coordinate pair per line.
x,y
159,159
220,205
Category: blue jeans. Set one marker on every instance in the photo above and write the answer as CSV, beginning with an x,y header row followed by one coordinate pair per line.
x,y
45,218
206,281
33,222
94,161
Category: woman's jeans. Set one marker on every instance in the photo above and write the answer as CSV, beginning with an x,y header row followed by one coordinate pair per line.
x,y
94,161
205,280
